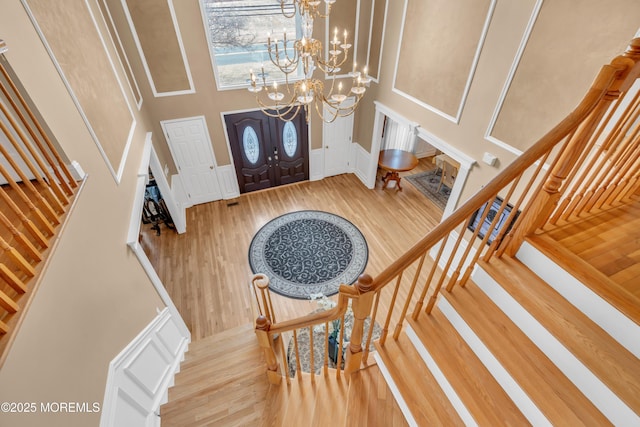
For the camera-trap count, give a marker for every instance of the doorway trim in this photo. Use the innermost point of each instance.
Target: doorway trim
(465, 161)
(230, 170)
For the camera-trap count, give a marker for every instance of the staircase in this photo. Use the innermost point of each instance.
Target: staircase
(508, 349)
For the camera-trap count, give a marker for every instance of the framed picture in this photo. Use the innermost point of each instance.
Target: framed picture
(493, 211)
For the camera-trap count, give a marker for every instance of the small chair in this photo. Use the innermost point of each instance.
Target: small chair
(448, 176)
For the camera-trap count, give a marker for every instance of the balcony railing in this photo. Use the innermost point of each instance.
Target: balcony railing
(36, 191)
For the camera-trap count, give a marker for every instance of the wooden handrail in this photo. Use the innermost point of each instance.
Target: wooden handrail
(600, 86)
(575, 136)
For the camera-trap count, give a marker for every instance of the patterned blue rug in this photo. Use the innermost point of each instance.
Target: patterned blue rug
(308, 252)
(428, 182)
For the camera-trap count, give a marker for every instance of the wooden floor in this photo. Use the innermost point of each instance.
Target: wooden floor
(608, 241)
(206, 270)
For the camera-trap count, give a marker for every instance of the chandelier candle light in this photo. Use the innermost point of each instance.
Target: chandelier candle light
(288, 55)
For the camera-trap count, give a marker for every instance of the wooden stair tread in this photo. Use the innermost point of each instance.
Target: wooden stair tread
(617, 367)
(302, 401)
(481, 394)
(616, 295)
(552, 392)
(422, 393)
(222, 381)
(370, 401)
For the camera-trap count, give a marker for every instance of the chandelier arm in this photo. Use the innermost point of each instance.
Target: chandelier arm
(295, 7)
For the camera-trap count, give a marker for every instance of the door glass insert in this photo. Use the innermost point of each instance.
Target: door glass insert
(289, 139)
(250, 144)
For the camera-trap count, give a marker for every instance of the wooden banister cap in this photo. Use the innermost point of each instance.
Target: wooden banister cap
(261, 280)
(262, 323)
(364, 283)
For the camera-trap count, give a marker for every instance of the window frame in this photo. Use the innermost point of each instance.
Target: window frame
(212, 54)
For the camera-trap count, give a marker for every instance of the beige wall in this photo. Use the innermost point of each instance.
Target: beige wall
(508, 25)
(94, 297)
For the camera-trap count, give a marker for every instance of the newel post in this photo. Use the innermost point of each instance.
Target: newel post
(361, 307)
(262, 332)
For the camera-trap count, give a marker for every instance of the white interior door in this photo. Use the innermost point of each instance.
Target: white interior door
(191, 148)
(336, 138)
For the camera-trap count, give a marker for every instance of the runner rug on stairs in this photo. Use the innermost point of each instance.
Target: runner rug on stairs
(308, 252)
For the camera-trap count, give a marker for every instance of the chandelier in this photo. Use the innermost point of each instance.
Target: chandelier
(299, 59)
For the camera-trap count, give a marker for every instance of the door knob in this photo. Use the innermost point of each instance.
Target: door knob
(211, 167)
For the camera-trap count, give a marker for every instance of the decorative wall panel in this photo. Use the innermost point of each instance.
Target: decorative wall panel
(70, 32)
(158, 39)
(439, 42)
(568, 45)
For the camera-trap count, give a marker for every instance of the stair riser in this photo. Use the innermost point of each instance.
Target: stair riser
(620, 327)
(596, 391)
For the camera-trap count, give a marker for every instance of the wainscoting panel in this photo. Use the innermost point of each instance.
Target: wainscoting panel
(316, 164)
(363, 163)
(228, 182)
(141, 374)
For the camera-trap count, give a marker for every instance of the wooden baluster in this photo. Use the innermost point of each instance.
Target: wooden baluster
(374, 314)
(361, 307)
(633, 184)
(59, 198)
(13, 280)
(312, 356)
(516, 207)
(52, 215)
(340, 345)
(443, 275)
(427, 284)
(392, 304)
(3, 328)
(285, 364)
(472, 240)
(297, 350)
(26, 181)
(398, 328)
(16, 257)
(628, 175)
(266, 343)
(580, 189)
(545, 202)
(326, 348)
(36, 122)
(29, 225)
(8, 304)
(21, 238)
(615, 163)
(620, 170)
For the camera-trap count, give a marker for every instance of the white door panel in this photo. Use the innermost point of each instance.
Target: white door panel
(191, 148)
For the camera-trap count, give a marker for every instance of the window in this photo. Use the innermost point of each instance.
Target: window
(237, 32)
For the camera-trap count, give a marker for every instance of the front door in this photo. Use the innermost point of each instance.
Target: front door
(191, 148)
(268, 152)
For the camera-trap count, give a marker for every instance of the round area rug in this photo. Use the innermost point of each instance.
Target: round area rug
(308, 252)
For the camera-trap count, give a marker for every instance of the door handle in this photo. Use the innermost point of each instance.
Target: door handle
(211, 167)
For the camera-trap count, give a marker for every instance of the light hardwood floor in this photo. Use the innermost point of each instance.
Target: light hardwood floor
(206, 270)
(609, 241)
